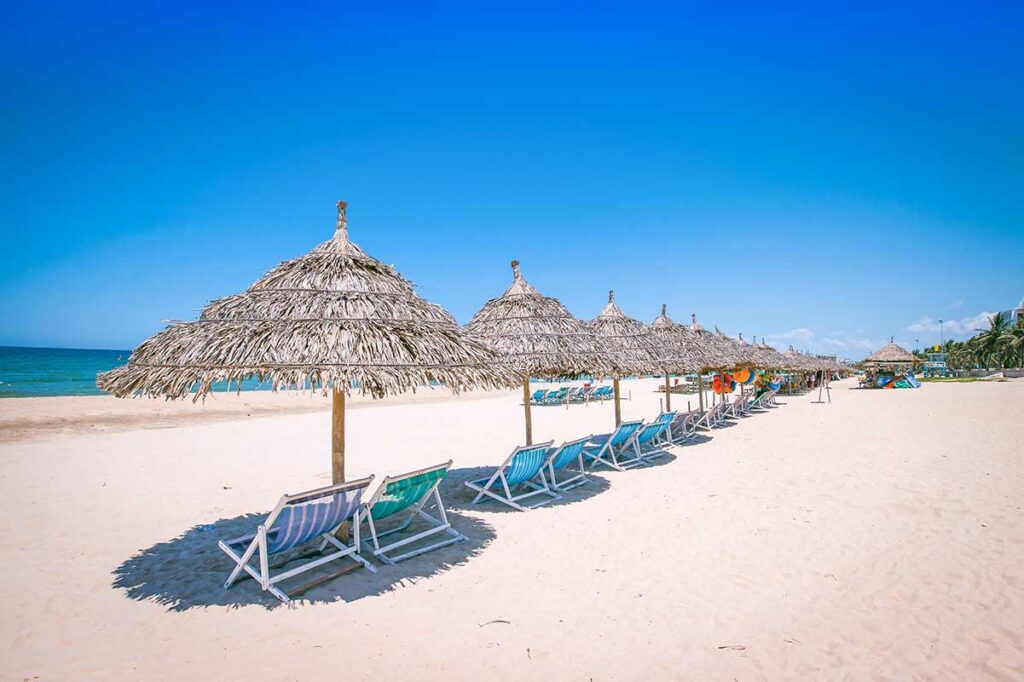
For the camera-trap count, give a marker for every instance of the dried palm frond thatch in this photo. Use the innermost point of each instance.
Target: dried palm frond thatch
(537, 336)
(627, 344)
(681, 351)
(718, 354)
(773, 359)
(891, 353)
(334, 320)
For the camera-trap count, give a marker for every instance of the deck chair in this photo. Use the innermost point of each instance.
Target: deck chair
(617, 450)
(555, 397)
(684, 426)
(650, 440)
(763, 401)
(410, 493)
(668, 418)
(295, 521)
(563, 457)
(709, 419)
(518, 470)
(538, 396)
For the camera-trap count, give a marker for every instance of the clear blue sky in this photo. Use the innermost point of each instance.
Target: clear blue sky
(827, 176)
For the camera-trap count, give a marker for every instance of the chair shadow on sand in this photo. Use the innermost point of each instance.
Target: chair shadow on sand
(189, 571)
(460, 497)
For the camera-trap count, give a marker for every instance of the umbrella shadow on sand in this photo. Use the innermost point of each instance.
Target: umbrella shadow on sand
(189, 571)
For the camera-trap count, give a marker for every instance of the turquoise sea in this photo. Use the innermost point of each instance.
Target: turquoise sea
(37, 372)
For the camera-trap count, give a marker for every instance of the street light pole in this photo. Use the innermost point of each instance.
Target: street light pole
(942, 341)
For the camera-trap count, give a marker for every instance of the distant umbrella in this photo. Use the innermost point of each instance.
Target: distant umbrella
(679, 350)
(537, 336)
(628, 346)
(333, 321)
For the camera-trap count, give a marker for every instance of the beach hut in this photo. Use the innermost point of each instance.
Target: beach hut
(890, 361)
(537, 336)
(333, 321)
(677, 349)
(627, 345)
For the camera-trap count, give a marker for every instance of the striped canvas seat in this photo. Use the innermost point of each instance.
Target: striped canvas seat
(411, 492)
(560, 459)
(295, 521)
(300, 522)
(518, 470)
(618, 450)
(651, 438)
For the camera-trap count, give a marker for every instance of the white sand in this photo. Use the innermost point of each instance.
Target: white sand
(879, 537)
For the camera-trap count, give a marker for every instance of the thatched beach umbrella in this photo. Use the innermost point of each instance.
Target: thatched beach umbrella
(333, 321)
(891, 354)
(627, 344)
(537, 336)
(678, 350)
(718, 353)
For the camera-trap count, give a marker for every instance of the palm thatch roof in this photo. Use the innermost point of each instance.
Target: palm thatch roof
(678, 349)
(627, 343)
(798, 362)
(719, 353)
(747, 355)
(773, 358)
(333, 319)
(891, 353)
(536, 334)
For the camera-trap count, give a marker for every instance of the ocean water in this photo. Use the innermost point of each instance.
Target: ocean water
(35, 372)
(38, 372)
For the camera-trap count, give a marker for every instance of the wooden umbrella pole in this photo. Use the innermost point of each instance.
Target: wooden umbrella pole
(338, 437)
(619, 409)
(668, 394)
(526, 407)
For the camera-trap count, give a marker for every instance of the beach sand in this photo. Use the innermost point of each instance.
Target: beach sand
(876, 537)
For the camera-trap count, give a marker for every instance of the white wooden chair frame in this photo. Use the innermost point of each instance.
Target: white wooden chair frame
(438, 525)
(686, 425)
(513, 500)
(609, 455)
(257, 543)
(573, 481)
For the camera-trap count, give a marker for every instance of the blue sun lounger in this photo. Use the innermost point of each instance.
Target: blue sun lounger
(409, 493)
(560, 459)
(517, 471)
(650, 440)
(617, 450)
(295, 521)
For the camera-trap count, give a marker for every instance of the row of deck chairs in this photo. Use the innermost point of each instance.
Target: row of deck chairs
(544, 470)
(318, 515)
(559, 396)
(529, 471)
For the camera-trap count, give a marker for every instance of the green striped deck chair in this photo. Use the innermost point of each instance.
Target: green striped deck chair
(295, 521)
(517, 472)
(408, 495)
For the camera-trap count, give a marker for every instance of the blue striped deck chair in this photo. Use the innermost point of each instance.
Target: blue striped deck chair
(556, 396)
(517, 471)
(650, 440)
(410, 493)
(296, 521)
(617, 450)
(668, 418)
(561, 459)
(538, 396)
(604, 392)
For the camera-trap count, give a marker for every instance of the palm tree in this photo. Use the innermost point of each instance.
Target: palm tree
(993, 344)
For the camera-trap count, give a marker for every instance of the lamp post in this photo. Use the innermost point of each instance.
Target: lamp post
(942, 341)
